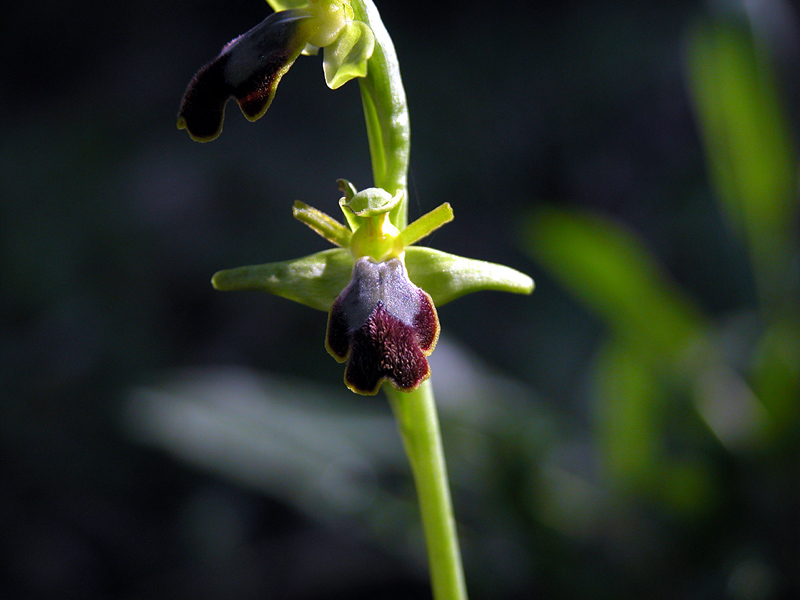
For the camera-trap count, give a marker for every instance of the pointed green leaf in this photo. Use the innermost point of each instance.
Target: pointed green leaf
(347, 56)
(447, 276)
(315, 280)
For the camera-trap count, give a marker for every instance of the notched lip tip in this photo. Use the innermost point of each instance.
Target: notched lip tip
(337, 357)
(355, 390)
(386, 380)
(201, 138)
(184, 124)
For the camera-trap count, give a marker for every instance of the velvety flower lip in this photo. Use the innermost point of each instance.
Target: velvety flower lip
(377, 287)
(384, 326)
(248, 68)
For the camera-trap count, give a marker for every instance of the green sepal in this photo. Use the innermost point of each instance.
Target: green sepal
(346, 58)
(314, 280)
(325, 225)
(447, 276)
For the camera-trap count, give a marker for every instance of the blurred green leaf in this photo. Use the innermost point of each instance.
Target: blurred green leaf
(612, 272)
(776, 373)
(628, 421)
(751, 159)
(632, 409)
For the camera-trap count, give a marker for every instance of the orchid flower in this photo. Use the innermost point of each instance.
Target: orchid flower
(379, 320)
(380, 290)
(250, 67)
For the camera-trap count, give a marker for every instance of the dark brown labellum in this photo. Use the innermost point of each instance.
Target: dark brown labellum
(384, 326)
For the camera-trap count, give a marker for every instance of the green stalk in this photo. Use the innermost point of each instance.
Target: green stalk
(419, 427)
(385, 112)
(388, 130)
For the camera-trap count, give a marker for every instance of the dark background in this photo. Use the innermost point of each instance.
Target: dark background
(159, 439)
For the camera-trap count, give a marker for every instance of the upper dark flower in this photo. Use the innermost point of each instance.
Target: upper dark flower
(250, 67)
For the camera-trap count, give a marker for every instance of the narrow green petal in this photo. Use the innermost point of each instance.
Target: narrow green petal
(323, 224)
(427, 224)
(447, 276)
(315, 280)
(349, 190)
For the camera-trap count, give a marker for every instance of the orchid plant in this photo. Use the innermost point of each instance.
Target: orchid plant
(379, 289)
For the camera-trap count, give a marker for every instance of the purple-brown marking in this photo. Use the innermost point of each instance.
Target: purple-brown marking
(249, 68)
(384, 326)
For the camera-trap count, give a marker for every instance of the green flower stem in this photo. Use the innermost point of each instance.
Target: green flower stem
(419, 428)
(386, 113)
